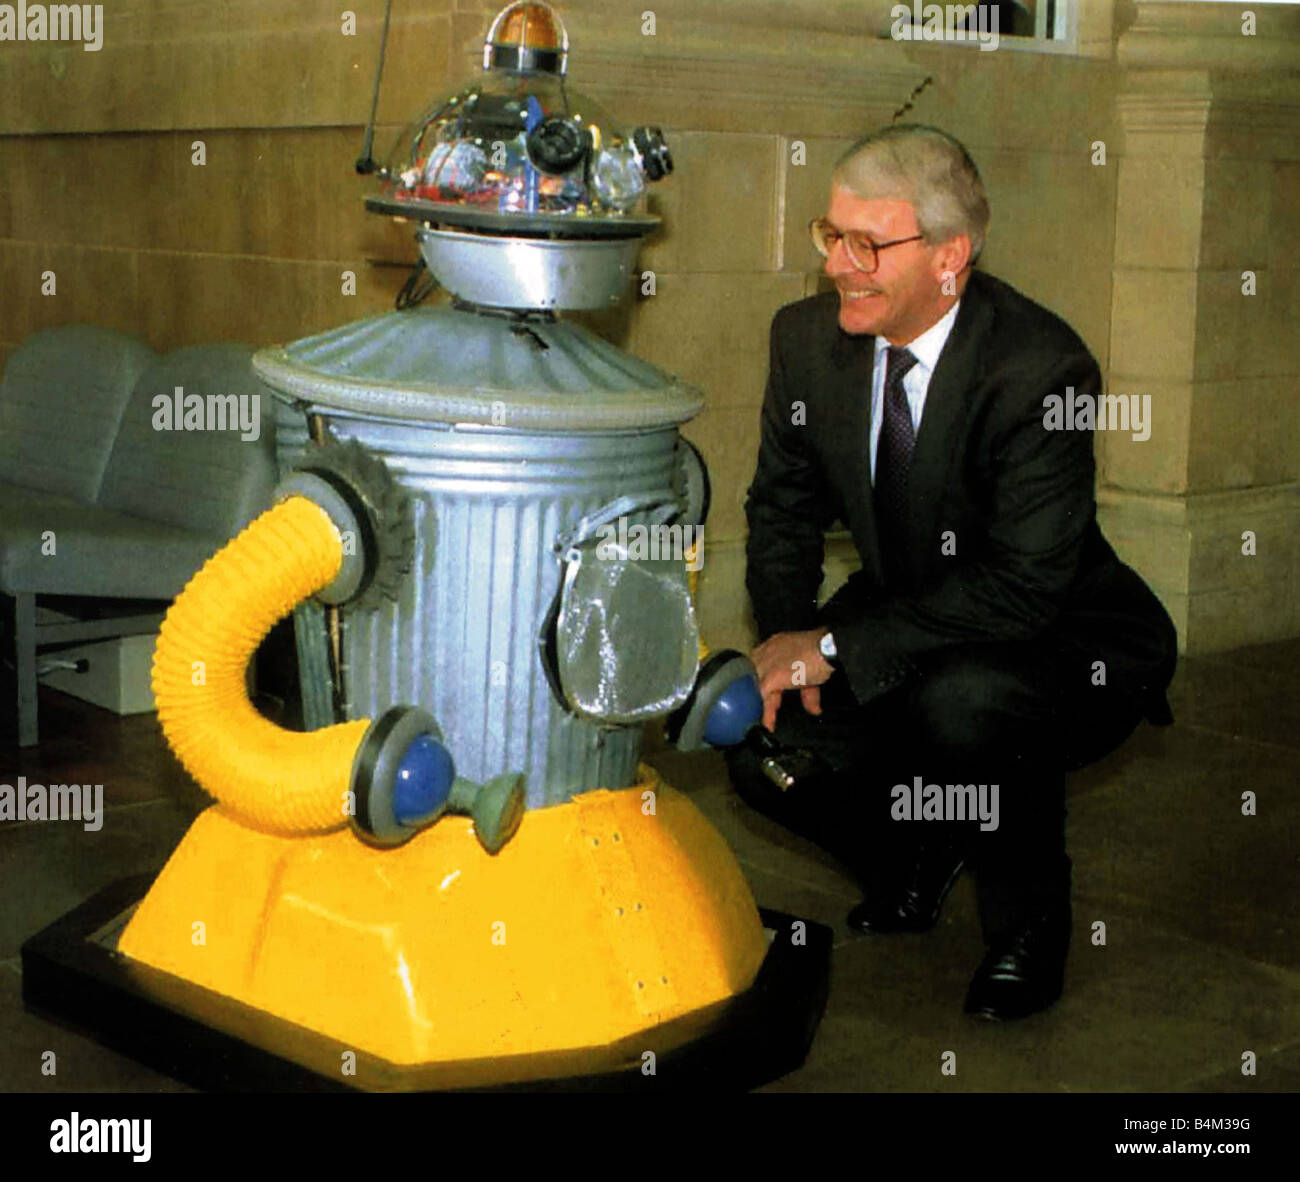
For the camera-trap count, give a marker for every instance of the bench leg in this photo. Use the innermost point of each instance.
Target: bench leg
(24, 633)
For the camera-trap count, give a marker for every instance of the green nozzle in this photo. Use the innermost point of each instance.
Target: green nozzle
(497, 807)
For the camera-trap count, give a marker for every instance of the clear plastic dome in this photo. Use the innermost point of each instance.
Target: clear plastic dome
(518, 143)
(517, 151)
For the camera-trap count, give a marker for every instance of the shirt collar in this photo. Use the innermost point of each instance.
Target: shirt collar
(927, 347)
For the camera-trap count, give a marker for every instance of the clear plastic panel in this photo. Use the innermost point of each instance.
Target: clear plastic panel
(627, 642)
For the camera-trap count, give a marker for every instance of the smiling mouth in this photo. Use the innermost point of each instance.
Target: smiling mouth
(857, 295)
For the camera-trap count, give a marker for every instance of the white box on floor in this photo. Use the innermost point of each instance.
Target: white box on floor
(117, 674)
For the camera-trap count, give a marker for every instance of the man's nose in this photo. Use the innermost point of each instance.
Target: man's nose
(838, 261)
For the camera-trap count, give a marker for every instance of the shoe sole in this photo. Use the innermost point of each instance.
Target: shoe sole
(987, 1015)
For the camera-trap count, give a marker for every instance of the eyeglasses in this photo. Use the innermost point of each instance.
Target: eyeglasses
(862, 251)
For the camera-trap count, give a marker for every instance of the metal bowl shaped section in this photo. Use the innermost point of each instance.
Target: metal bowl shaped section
(530, 273)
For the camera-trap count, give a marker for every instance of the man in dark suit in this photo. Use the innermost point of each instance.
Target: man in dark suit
(991, 640)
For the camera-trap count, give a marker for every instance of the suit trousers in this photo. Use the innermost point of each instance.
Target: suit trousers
(1017, 716)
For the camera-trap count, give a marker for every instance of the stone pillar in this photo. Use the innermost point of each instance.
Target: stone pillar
(1207, 213)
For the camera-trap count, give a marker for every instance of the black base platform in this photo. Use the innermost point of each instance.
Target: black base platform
(73, 975)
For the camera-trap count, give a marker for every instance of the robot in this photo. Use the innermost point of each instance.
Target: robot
(462, 875)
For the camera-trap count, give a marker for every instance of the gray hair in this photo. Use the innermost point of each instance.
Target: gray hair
(926, 167)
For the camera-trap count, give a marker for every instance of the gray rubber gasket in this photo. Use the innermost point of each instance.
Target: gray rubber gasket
(348, 582)
(374, 771)
(691, 736)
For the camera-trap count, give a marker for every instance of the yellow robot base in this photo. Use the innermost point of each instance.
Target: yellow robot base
(613, 927)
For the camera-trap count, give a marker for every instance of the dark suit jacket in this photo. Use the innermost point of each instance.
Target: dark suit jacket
(1030, 561)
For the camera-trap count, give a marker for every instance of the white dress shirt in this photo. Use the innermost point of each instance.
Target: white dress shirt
(916, 382)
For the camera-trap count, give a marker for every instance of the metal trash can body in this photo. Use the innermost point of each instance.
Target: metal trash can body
(504, 434)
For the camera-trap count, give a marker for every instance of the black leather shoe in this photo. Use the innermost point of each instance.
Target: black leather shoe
(913, 905)
(1024, 972)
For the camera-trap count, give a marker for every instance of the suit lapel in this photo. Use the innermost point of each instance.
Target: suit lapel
(946, 399)
(852, 359)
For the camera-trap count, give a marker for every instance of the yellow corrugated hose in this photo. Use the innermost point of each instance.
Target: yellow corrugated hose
(275, 780)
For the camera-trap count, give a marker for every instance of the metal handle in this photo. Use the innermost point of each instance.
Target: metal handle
(586, 527)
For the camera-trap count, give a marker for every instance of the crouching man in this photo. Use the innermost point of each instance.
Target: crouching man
(991, 638)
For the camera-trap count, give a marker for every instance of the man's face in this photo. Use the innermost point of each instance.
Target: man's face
(904, 295)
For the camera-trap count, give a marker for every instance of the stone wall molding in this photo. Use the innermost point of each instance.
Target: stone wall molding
(1191, 34)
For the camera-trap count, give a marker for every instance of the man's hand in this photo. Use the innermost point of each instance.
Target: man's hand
(790, 660)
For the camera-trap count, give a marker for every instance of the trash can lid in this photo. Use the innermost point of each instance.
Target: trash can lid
(453, 365)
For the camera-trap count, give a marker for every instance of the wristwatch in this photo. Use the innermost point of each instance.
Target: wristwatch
(828, 649)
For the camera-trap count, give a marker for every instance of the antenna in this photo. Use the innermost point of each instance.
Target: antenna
(366, 161)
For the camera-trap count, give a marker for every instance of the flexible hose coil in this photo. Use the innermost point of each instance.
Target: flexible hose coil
(270, 778)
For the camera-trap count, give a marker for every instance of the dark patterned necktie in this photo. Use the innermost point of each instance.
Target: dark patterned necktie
(894, 458)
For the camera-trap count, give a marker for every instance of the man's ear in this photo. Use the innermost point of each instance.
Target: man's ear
(953, 256)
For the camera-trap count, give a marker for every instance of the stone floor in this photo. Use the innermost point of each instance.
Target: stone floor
(1201, 961)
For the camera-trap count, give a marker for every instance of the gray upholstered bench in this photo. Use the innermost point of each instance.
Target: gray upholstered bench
(100, 508)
